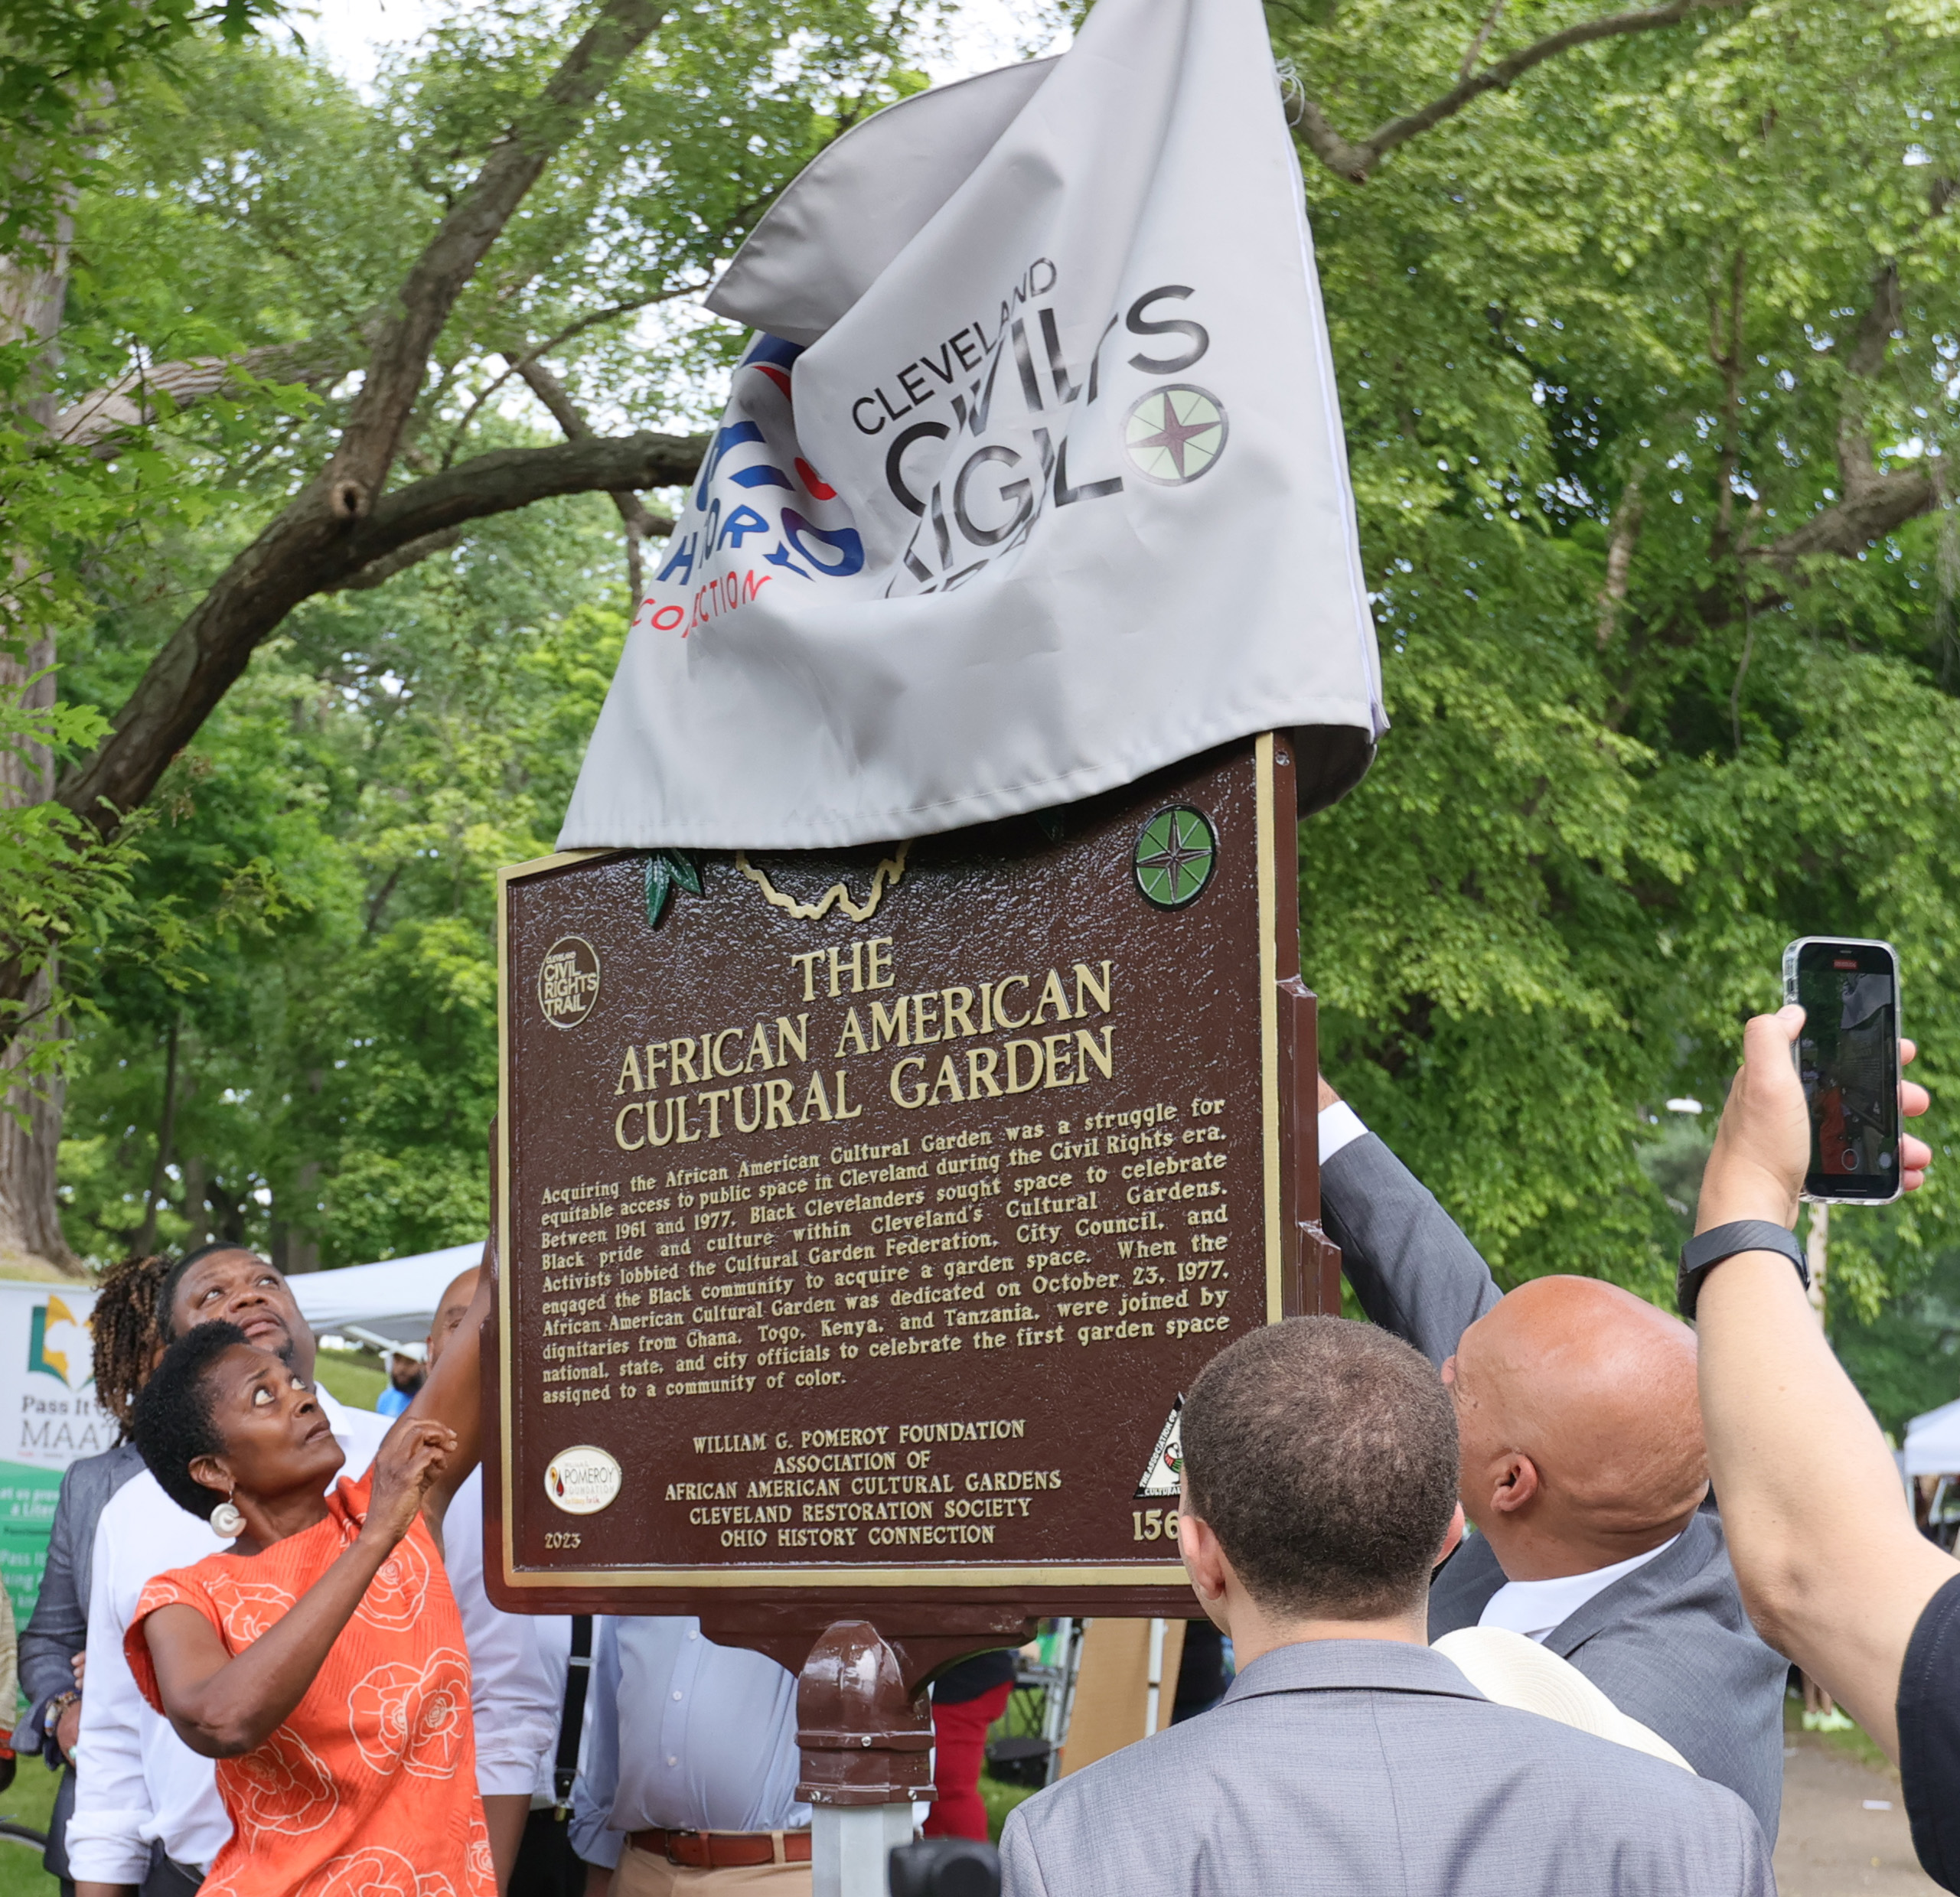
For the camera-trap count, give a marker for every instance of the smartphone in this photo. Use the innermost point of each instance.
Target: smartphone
(1847, 1056)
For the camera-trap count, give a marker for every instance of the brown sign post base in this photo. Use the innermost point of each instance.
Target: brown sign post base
(866, 1740)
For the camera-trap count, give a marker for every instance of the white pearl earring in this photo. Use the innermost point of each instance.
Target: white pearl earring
(227, 1519)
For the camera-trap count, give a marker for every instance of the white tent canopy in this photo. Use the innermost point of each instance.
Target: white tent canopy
(389, 1303)
(1932, 1442)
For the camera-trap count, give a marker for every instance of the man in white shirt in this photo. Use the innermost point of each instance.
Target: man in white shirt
(1584, 1467)
(517, 1661)
(690, 1777)
(147, 1811)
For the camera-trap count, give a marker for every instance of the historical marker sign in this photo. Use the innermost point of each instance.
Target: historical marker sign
(863, 1218)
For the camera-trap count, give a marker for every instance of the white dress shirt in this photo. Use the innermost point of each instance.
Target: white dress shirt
(1340, 1126)
(684, 1736)
(136, 1781)
(518, 1664)
(1534, 1607)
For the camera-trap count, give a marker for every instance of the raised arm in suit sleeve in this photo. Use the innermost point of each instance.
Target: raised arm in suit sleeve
(1414, 1272)
(56, 1630)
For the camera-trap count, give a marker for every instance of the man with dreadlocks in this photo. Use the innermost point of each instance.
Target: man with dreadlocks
(148, 1816)
(123, 1326)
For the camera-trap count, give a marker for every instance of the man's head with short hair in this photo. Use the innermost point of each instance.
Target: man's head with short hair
(1322, 1455)
(227, 1282)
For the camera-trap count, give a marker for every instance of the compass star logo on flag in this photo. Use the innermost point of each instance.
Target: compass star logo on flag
(1175, 433)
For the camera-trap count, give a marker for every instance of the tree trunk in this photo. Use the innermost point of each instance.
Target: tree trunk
(30, 1208)
(32, 291)
(146, 1239)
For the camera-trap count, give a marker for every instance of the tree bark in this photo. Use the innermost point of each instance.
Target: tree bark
(32, 292)
(146, 1239)
(30, 1198)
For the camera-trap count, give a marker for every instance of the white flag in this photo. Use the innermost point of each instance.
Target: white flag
(1033, 481)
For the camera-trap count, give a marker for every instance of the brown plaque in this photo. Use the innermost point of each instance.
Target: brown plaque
(864, 1216)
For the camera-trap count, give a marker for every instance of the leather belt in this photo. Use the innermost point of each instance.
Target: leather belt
(723, 1851)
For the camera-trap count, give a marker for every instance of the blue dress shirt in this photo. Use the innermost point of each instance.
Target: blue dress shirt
(685, 1736)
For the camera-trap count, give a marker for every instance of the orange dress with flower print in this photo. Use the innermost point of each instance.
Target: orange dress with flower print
(369, 1788)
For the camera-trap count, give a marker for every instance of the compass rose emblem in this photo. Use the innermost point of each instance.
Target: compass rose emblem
(1174, 433)
(1176, 851)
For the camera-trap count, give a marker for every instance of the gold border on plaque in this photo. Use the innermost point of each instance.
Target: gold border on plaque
(816, 1574)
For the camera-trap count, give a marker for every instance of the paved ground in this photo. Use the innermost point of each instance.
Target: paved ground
(1831, 1843)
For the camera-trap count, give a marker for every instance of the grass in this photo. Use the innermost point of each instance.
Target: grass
(999, 1799)
(1855, 1743)
(350, 1376)
(29, 1800)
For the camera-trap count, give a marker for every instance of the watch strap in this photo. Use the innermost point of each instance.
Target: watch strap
(1703, 1252)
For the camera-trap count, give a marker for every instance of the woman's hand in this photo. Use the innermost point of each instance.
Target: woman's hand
(413, 1454)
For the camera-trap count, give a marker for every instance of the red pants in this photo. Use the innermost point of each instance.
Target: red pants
(959, 1738)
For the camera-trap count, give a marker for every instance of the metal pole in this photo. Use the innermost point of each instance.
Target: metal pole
(867, 1755)
(851, 1847)
(1072, 1666)
(1154, 1697)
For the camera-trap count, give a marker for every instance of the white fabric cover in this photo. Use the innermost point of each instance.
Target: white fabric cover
(1055, 495)
(393, 1300)
(1932, 1442)
(1510, 1670)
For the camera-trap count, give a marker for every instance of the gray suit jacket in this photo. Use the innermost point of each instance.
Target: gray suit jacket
(1340, 1769)
(58, 1628)
(1668, 1643)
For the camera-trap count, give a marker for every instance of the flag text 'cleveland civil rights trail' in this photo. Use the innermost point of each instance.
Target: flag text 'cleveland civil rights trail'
(1031, 481)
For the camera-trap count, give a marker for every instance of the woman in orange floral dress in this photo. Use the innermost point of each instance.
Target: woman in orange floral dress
(320, 1660)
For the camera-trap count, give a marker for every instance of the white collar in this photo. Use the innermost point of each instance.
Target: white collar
(1535, 1607)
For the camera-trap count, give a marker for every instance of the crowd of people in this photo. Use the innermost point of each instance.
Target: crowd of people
(264, 1661)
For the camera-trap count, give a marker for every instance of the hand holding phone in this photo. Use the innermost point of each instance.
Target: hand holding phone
(1847, 1058)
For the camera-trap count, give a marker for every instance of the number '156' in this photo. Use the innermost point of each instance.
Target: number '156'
(1154, 1524)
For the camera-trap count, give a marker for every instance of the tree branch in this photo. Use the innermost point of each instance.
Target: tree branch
(1474, 51)
(104, 418)
(590, 320)
(1625, 536)
(385, 569)
(209, 650)
(1354, 159)
(1725, 352)
(344, 519)
(639, 524)
(367, 446)
(1875, 502)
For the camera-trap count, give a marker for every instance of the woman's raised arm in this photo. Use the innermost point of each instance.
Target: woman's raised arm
(453, 1397)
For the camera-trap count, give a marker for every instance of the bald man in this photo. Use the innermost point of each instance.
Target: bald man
(1583, 1469)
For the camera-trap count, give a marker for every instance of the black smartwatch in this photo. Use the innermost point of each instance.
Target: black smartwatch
(1701, 1254)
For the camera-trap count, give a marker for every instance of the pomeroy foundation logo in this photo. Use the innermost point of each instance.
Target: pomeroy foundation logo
(568, 981)
(582, 1481)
